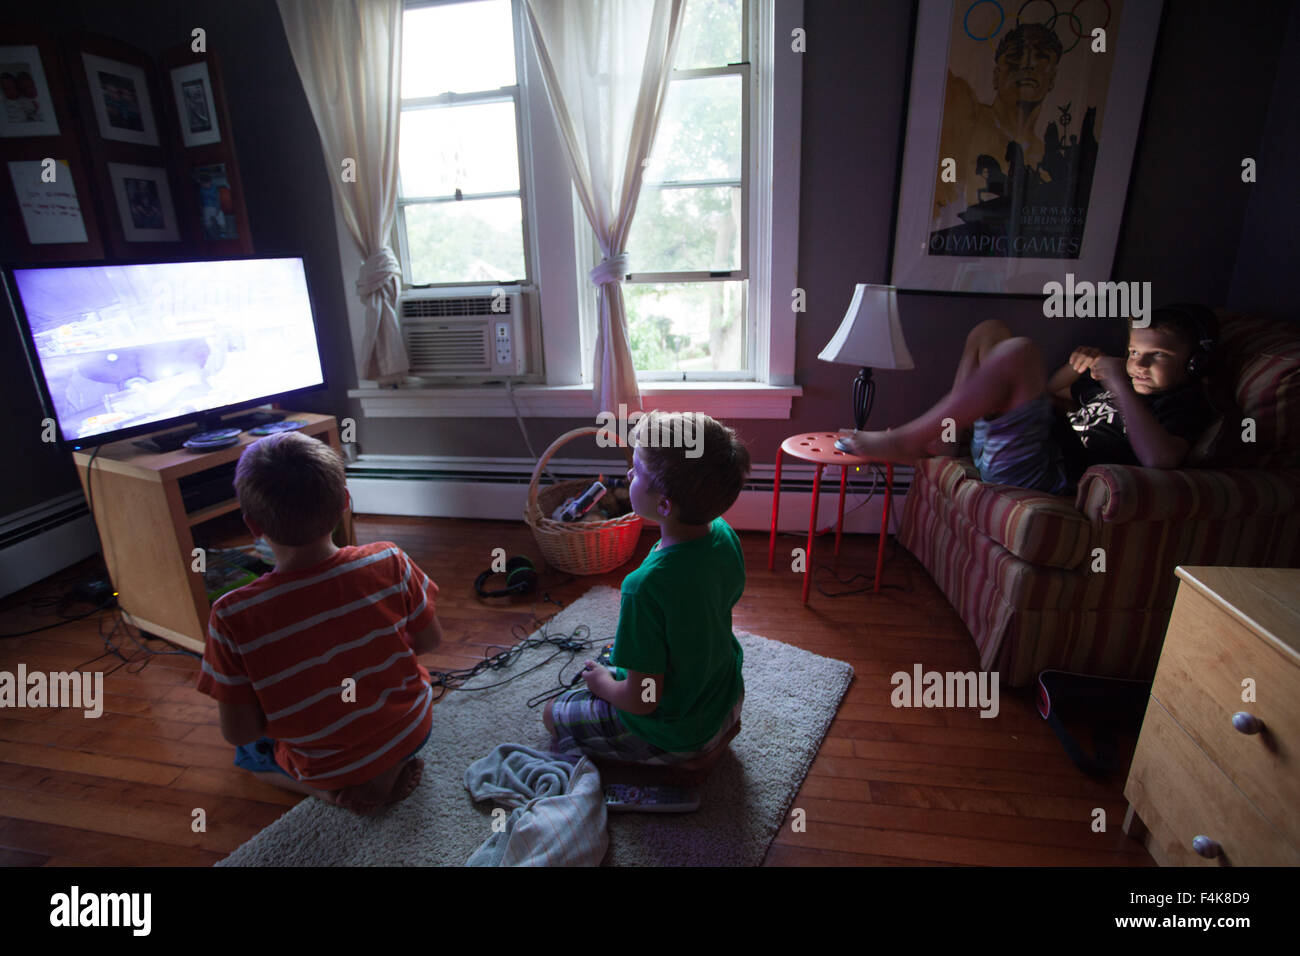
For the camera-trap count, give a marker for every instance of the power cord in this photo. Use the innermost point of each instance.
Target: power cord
(578, 640)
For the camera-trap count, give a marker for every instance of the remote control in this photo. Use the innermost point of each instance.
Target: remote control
(624, 796)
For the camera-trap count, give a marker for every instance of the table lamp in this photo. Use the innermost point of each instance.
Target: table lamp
(870, 337)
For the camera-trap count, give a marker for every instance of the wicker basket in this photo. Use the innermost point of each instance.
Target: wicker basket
(579, 547)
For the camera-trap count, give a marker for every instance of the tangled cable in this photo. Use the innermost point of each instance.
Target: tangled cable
(578, 640)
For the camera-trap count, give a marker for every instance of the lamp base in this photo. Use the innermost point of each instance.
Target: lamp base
(864, 396)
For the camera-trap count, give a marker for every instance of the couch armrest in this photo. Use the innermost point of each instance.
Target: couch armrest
(1121, 493)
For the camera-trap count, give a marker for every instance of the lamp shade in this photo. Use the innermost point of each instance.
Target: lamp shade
(870, 335)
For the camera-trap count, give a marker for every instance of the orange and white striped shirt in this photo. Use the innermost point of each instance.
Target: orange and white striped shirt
(288, 642)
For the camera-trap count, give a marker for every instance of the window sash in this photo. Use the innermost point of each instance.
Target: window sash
(479, 97)
(749, 372)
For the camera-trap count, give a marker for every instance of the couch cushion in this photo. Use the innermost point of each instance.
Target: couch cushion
(1036, 527)
(1262, 359)
(946, 473)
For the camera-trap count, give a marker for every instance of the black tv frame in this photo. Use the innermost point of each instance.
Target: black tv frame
(178, 422)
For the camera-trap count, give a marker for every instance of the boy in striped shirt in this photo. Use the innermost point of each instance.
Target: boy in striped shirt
(313, 666)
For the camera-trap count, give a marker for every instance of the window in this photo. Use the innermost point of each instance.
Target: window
(460, 209)
(689, 242)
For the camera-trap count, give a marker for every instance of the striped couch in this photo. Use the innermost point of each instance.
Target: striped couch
(1087, 584)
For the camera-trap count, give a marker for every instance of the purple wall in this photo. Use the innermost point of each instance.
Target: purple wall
(1215, 74)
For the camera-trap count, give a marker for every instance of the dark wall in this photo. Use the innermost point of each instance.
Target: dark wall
(285, 187)
(1264, 278)
(1182, 227)
(1215, 73)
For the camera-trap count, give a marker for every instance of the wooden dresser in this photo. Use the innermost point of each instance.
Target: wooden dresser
(1216, 779)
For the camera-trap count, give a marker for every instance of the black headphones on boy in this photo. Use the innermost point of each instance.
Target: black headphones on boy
(1206, 326)
(521, 578)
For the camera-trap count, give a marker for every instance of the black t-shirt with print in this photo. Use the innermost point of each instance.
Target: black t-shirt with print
(1096, 433)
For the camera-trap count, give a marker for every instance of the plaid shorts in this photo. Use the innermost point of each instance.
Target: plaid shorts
(585, 724)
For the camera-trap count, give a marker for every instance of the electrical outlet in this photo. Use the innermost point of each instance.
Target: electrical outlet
(504, 349)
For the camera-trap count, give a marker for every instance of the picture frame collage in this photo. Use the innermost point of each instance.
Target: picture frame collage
(146, 172)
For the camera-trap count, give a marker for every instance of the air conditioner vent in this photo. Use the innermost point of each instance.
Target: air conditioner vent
(461, 306)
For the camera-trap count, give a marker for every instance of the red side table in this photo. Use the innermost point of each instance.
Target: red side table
(819, 448)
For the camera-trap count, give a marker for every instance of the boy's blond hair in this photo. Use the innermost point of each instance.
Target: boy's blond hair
(702, 484)
(293, 486)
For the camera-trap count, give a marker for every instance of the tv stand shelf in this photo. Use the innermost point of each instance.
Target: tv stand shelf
(146, 534)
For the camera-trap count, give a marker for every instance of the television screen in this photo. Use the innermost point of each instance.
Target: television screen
(126, 346)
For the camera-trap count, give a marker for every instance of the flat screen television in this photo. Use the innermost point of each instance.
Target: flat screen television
(121, 349)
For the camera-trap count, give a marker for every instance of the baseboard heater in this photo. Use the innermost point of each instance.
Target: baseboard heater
(43, 540)
(497, 489)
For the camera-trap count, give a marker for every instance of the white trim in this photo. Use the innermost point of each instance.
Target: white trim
(784, 124)
(436, 490)
(45, 552)
(724, 400)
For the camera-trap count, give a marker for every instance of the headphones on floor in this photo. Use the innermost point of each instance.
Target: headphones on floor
(521, 578)
(1207, 329)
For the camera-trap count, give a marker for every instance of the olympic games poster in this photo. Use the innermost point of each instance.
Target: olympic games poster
(1026, 113)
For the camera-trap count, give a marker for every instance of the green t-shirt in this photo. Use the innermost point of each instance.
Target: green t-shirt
(675, 620)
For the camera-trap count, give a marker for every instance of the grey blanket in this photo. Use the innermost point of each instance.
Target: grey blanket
(558, 815)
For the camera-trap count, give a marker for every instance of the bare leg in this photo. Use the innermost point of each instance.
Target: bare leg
(1011, 373)
(979, 343)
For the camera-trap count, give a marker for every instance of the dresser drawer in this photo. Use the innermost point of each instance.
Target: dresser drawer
(1180, 794)
(1207, 654)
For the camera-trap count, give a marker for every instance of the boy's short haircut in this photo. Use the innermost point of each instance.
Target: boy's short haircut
(695, 461)
(293, 486)
(1192, 324)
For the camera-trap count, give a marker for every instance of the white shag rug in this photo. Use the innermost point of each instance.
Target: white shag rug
(790, 699)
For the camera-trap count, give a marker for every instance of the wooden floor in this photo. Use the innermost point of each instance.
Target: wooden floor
(890, 786)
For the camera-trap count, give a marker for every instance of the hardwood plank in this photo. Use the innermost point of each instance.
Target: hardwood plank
(890, 786)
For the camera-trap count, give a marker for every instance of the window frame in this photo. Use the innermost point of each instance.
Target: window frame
(512, 94)
(741, 69)
(567, 299)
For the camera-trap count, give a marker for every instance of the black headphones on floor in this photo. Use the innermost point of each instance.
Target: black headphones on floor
(521, 578)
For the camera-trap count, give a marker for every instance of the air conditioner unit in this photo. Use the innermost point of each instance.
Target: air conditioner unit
(467, 336)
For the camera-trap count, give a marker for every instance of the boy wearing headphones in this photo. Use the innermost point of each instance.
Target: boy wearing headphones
(1146, 409)
(675, 693)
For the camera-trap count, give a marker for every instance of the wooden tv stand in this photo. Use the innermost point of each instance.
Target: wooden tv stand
(146, 533)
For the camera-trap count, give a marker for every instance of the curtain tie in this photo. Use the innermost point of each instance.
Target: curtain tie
(378, 271)
(611, 269)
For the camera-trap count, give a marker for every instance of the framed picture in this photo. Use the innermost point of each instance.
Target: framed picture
(47, 200)
(28, 109)
(1021, 128)
(144, 203)
(119, 95)
(217, 210)
(195, 106)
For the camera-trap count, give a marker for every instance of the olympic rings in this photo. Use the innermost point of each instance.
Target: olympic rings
(1051, 19)
(1079, 3)
(1051, 25)
(965, 21)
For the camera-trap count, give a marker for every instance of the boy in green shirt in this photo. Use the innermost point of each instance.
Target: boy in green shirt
(676, 690)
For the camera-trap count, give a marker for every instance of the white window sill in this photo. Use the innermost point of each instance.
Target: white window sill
(719, 399)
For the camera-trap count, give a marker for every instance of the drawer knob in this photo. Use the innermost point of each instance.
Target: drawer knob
(1206, 847)
(1247, 723)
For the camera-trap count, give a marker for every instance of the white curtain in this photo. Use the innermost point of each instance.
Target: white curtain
(349, 56)
(607, 64)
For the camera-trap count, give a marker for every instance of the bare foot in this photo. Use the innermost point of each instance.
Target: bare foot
(886, 446)
(408, 778)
